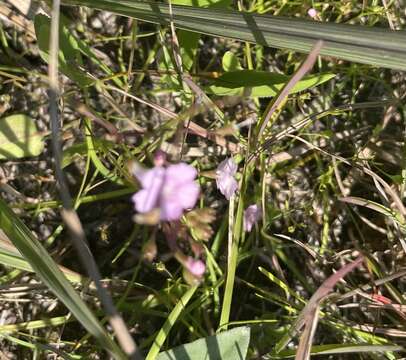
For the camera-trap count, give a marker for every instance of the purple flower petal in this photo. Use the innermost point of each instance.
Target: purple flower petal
(225, 180)
(170, 210)
(170, 189)
(145, 201)
(252, 214)
(148, 178)
(187, 195)
(173, 198)
(227, 185)
(195, 267)
(312, 12)
(180, 173)
(227, 166)
(151, 180)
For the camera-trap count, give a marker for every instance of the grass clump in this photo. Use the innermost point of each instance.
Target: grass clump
(206, 187)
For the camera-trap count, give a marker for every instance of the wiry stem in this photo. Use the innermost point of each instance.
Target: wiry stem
(68, 213)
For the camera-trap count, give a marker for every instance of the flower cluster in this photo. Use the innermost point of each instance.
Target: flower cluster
(167, 191)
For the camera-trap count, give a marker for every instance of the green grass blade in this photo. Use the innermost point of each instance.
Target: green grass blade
(48, 271)
(170, 321)
(373, 46)
(35, 324)
(329, 349)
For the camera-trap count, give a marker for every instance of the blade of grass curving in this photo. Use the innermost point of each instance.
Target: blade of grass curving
(16, 261)
(373, 46)
(354, 200)
(170, 321)
(39, 347)
(234, 238)
(48, 271)
(285, 91)
(308, 314)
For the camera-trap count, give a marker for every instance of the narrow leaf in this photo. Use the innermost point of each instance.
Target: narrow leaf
(306, 316)
(374, 46)
(69, 55)
(260, 83)
(47, 270)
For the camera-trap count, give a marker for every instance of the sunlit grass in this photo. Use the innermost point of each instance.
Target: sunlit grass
(326, 166)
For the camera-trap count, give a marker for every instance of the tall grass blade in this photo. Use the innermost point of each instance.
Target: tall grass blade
(308, 316)
(48, 271)
(170, 321)
(373, 46)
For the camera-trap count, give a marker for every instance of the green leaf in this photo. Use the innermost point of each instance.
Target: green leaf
(227, 345)
(47, 270)
(170, 321)
(374, 46)
(230, 62)
(69, 54)
(73, 152)
(19, 137)
(188, 41)
(260, 83)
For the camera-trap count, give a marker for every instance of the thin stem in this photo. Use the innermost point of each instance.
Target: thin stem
(68, 213)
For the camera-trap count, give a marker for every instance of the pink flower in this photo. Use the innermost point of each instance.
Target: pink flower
(252, 214)
(312, 13)
(225, 180)
(195, 267)
(170, 189)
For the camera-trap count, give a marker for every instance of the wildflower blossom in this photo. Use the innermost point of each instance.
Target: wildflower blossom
(312, 13)
(195, 267)
(226, 182)
(170, 189)
(252, 214)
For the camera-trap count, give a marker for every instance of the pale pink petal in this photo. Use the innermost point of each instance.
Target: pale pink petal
(170, 210)
(227, 185)
(252, 214)
(227, 166)
(180, 173)
(145, 200)
(187, 195)
(151, 180)
(312, 12)
(148, 178)
(195, 267)
(170, 189)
